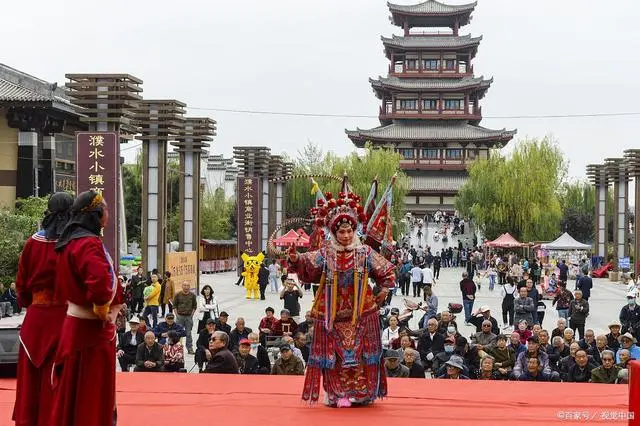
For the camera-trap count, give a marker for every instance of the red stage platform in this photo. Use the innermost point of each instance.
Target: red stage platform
(198, 399)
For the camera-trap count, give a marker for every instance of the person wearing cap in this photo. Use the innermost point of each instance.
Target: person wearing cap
(128, 345)
(35, 288)
(484, 314)
(630, 315)
(85, 391)
(578, 312)
(247, 363)
(220, 360)
(202, 344)
(221, 323)
(612, 337)
(628, 342)
(392, 365)
(287, 364)
(533, 351)
(169, 324)
(452, 346)
(454, 369)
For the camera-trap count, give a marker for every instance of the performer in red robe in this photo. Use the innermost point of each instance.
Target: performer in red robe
(346, 347)
(40, 330)
(84, 371)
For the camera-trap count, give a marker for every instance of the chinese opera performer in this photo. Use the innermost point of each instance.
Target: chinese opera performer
(346, 347)
(84, 370)
(41, 328)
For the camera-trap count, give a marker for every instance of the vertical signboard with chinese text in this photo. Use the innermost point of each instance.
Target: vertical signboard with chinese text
(249, 223)
(97, 169)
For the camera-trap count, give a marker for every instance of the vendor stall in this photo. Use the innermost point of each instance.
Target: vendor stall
(217, 256)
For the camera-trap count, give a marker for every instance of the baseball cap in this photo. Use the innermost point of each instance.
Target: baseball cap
(134, 320)
(245, 342)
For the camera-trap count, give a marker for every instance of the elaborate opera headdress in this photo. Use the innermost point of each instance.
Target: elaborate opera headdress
(334, 212)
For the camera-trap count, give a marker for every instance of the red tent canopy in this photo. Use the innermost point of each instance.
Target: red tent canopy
(291, 238)
(505, 241)
(303, 235)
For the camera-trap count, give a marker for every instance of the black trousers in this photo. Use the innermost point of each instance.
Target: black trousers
(126, 361)
(436, 272)
(417, 285)
(578, 329)
(137, 305)
(164, 305)
(404, 286)
(507, 311)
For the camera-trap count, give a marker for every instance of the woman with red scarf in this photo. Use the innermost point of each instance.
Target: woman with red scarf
(40, 330)
(84, 370)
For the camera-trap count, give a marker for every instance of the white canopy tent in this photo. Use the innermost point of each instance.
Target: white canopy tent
(565, 242)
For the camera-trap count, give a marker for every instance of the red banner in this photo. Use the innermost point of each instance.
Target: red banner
(249, 213)
(98, 169)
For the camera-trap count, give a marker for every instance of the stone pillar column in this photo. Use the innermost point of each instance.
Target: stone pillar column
(617, 172)
(48, 182)
(598, 177)
(27, 172)
(633, 161)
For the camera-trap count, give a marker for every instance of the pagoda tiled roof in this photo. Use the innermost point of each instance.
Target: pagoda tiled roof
(19, 87)
(415, 130)
(437, 183)
(432, 7)
(425, 84)
(426, 42)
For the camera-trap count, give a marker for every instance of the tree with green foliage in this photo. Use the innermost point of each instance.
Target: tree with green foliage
(216, 212)
(361, 169)
(517, 193)
(578, 210)
(16, 225)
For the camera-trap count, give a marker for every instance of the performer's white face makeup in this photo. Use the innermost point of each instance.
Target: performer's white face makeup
(344, 235)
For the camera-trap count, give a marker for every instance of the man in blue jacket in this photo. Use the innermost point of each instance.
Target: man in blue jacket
(162, 329)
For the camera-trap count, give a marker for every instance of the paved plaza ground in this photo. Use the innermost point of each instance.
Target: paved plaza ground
(607, 299)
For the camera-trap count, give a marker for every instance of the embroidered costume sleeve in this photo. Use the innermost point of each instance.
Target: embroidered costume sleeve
(309, 266)
(381, 270)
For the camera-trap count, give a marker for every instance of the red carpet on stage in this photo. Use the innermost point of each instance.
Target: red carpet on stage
(234, 400)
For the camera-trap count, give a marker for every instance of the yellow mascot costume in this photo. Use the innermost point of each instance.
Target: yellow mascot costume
(250, 274)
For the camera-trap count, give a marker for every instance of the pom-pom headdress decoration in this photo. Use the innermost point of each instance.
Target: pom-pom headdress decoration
(335, 212)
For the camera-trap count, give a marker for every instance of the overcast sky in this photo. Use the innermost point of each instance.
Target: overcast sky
(548, 57)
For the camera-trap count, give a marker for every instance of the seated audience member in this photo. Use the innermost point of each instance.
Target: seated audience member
(623, 377)
(504, 357)
(169, 324)
(292, 344)
(307, 324)
(484, 314)
(557, 353)
(430, 343)
(533, 372)
(247, 363)
(580, 372)
(258, 351)
(142, 328)
(589, 341)
(390, 333)
(221, 323)
(623, 356)
(285, 326)
(452, 347)
(302, 345)
(614, 334)
(524, 332)
(487, 370)
(533, 351)
(484, 340)
(446, 321)
(173, 353)
(392, 365)
(567, 362)
(559, 330)
(220, 360)
(128, 345)
(266, 325)
(202, 344)
(238, 333)
(287, 364)
(543, 337)
(411, 359)
(628, 342)
(596, 351)
(406, 342)
(608, 371)
(149, 356)
(454, 368)
(567, 335)
(514, 343)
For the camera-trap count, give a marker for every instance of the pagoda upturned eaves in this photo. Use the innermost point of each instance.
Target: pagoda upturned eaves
(430, 103)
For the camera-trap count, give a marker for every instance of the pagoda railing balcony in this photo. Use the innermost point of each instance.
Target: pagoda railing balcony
(403, 71)
(435, 164)
(473, 114)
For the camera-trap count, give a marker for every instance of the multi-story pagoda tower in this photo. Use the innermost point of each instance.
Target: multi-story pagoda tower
(430, 107)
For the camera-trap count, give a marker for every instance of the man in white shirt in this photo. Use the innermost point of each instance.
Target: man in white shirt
(274, 272)
(427, 277)
(416, 280)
